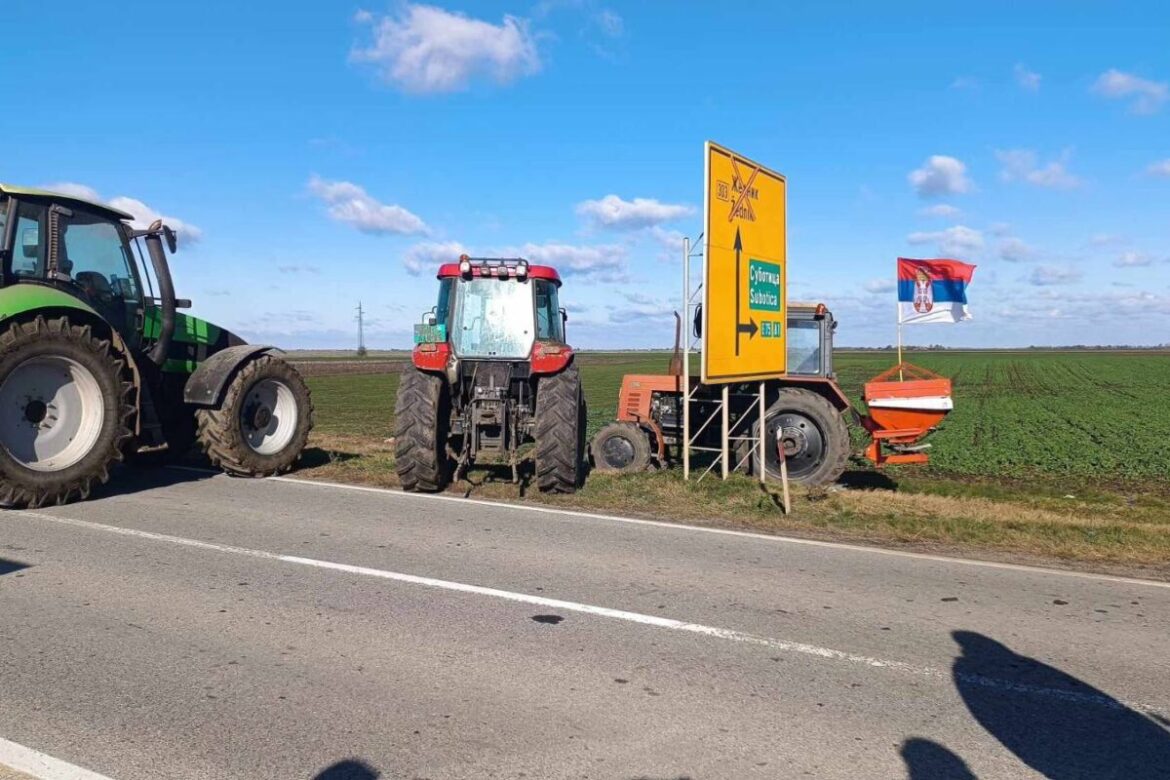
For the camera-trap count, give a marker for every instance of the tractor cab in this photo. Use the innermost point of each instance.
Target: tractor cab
(495, 309)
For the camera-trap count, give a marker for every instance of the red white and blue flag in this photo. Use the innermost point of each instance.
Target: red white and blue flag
(933, 291)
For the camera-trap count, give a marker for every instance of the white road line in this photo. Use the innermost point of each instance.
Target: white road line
(41, 766)
(1024, 568)
(778, 645)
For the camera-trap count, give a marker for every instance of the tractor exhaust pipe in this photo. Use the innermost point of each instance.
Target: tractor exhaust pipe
(166, 286)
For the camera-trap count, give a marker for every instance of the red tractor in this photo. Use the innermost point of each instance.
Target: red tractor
(491, 371)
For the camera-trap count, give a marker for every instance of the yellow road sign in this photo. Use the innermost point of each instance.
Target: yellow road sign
(745, 284)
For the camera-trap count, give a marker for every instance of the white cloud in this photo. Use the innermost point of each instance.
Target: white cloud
(1027, 79)
(1133, 260)
(74, 190)
(352, 205)
(610, 23)
(298, 269)
(429, 255)
(143, 215)
(603, 262)
(956, 240)
(1160, 168)
(879, 286)
(1148, 96)
(425, 49)
(944, 210)
(1013, 250)
(1023, 165)
(641, 307)
(1107, 239)
(940, 175)
(1050, 275)
(613, 212)
(965, 82)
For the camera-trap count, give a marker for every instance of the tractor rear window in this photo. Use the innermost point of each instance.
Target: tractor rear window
(493, 319)
(804, 346)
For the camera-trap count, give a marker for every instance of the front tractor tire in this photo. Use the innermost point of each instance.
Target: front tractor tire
(262, 426)
(560, 432)
(422, 419)
(813, 433)
(65, 409)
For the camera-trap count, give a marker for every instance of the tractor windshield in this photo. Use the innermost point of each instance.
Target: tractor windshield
(492, 318)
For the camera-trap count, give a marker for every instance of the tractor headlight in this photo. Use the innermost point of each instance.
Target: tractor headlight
(465, 266)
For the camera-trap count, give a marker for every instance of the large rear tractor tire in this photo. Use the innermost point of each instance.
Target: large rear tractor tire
(263, 424)
(814, 435)
(560, 432)
(621, 448)
(65, 408)
(422, 420)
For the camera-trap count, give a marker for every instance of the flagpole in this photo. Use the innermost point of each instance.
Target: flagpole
(898, 304)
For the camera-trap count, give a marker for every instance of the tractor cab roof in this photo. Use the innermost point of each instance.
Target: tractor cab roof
(60, 197)
(497, 267)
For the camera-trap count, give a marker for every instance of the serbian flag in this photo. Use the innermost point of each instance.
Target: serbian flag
(933, 291)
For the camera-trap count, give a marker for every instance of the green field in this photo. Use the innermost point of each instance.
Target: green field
(1023, 416)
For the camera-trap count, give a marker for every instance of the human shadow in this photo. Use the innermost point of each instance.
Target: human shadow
(349, 769)
(1058, 725)
(7, 566)
(927, 760)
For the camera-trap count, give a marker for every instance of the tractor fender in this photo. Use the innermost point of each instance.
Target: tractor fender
(205, 387)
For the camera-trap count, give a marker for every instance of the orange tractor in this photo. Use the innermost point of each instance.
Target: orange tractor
(805, 419)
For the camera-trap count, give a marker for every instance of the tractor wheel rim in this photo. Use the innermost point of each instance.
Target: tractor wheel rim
(803, 442)
(268, 417)
(618, 451)
(51, 413)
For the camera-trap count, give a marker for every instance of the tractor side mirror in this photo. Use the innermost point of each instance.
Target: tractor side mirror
(182, 303)
(430, 318)
(698, 323)
(564, 315)
(172, 239)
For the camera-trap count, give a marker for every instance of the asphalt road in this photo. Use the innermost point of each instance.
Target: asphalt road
(186, 626)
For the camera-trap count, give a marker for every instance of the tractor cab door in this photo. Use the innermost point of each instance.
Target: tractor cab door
(92, 259)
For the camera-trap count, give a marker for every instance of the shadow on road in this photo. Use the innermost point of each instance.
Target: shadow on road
(1058, 725)
(926, 760)
(350, 769)
(7, 566)
(137, 477)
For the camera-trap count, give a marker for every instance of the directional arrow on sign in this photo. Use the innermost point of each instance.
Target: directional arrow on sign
(748, 327)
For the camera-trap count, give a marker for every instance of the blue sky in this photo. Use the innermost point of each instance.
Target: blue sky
(315, 154)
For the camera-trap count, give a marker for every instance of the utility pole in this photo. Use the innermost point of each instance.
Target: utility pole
(361, 331)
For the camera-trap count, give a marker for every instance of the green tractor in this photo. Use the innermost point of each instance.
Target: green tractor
(97, 365)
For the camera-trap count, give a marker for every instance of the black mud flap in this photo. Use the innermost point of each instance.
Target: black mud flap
(205, 387)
